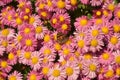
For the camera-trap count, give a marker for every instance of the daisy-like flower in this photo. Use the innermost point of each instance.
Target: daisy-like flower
(107, 14)
(34, 20)
(27, 30)
(15, 76)
(71, 4)
(82, 23)
(4, 66)
(49, 5)
(12, 58)
(95, 44)
(116, 25)
(114, 42)
(25, 57)
(116, 57)
(117, 12)
(29, 43)
(106, 58)
(56, 73)
(72, 71)
(96, 2)
(36, 60)
(33, 75)
(82, 44)
(90, 68)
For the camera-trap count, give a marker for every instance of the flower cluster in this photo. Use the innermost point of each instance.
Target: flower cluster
(59, 39)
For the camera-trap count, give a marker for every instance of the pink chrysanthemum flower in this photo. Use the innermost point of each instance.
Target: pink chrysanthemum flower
(12, 58)
(15, 76)
(4, 66)
(82, 44)
(40, 32)
(29, 43)
(106, 58)
(90, 68)
(36, 60)
(48, 50)
(34, 20)
(107, 14)
(82, 23)
(117, 72)
(116, 25)
(95, 31)
(114, 42)
(72, 71)
(95, 44)
(117, 12)
(84, 1)
(27, 30)
(71, 4)
(57, 73)
(116, 57)
(25, 57)
(96, 2)
(34, 76)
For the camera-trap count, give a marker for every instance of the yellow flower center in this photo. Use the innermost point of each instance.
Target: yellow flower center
(81, 43)
(21, 4)
(9, 17)
(45, 70)
(105, 12)
(38, 29)
(60, 4)
(10, 56)
(83, 22)
(118, 71)
(66, 51)
(4, 43)
(19, 21)
(99, 21)
(57, 46)
(45, 60)
(61, 18)
(54, 21)
(77, 54)
(27, 55)
(98, 13)
(117, 59)
(105, 30)
(49, 3)
(41, 6)
(31, 20)
(4, 64)
(64, 26)
(63, 62)
(56, 73)
(27, 30)
(5, 32)
(25, 17)
(46, 38)
(73, 2)
(94, 43)
(105, 56)
(47, 51)
(111, 7)
(27, 10)
(71, 58)
(109, 73)
(28, 42)
(44, 14)
(69, 71)
(80, 66)
(95, 33)
(33, 77)
(116, 28)
(118, 14)
(35, 60)
(19, 38)
(92, 67)
(12, 77)
(88, 56)
(114, 40)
